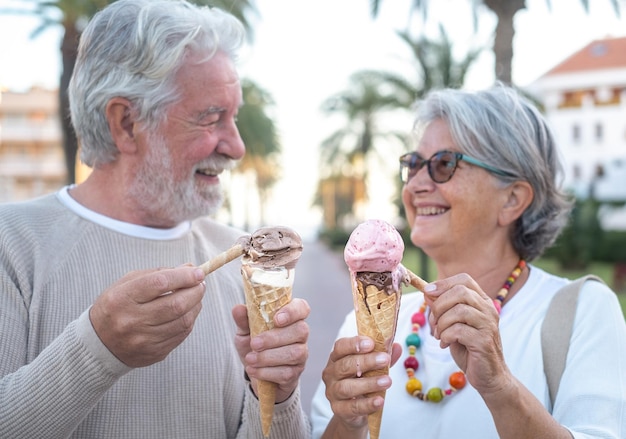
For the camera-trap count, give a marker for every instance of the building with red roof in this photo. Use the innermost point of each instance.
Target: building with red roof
(585, 102)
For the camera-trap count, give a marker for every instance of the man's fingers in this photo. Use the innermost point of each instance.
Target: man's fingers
(145, 286)
(296, 333)
(146, 314)
(173, 306)
(240, 315)
(297, 309)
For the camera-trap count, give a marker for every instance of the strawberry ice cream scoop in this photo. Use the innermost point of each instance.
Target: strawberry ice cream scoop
(375, 246)
(373, 254)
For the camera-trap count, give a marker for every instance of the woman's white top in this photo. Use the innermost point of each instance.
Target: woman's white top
(591, 401)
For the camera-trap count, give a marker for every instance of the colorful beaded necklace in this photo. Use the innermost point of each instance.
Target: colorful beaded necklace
(457, 379)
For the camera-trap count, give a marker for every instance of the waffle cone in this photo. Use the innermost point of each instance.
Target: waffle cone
(376, 317)
(263, 301)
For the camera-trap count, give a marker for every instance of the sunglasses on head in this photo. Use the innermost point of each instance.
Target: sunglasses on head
(441, 165)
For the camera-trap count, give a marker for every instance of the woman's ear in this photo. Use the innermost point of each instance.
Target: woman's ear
(520, 195)
(121, 124)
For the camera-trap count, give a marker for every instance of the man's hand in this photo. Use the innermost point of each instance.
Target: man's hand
(278, 355)
(145, 315)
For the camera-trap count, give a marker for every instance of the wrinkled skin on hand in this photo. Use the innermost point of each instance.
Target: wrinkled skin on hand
(346, 388)
(146, 314)
(279, 354)
(463, 317)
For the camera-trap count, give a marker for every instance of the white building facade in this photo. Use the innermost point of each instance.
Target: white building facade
(585, 103)
(31, 153)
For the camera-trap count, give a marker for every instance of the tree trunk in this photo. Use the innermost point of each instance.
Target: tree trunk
(69, 49)
(505, 10)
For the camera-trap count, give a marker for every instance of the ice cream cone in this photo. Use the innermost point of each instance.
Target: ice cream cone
(377, 308)
(266, 292)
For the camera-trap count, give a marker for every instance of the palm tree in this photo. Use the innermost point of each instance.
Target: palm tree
(435, 65)
(258, 131)
(505, 11)
(372, 93)
(345, 152)
(72, 16)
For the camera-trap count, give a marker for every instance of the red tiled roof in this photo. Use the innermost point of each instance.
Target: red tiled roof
(609, 53)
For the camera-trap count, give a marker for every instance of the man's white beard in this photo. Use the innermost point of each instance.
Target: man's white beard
(166, 201)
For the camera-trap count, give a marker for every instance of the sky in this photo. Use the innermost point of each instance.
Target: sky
(303, 52)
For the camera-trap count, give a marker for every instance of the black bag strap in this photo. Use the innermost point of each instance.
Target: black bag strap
(556, 331)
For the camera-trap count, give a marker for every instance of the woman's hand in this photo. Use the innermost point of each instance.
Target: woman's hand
(464, 318)
(347, 383)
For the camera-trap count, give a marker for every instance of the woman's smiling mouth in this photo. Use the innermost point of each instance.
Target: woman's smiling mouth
(431, 210)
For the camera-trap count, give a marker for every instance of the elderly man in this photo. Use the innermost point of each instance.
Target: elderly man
(107, 328)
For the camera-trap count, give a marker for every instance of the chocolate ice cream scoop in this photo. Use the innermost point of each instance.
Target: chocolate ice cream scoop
(272, 247)
(267, 248)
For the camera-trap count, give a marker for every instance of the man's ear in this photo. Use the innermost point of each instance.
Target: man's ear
(121, 124)
(520, 195)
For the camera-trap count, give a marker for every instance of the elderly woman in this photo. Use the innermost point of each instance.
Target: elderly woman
(482, 201)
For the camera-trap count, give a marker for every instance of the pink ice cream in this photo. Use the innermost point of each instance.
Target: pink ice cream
(376, 246)
(373, 254)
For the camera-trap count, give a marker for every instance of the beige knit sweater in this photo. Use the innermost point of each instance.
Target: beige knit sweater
(58, 380)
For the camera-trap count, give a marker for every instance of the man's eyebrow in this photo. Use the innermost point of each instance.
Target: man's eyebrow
(210, 111)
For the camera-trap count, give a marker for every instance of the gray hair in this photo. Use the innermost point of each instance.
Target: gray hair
(133, 49)
(501, 128)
